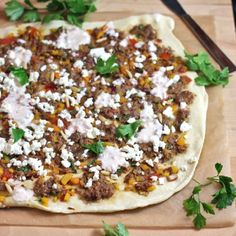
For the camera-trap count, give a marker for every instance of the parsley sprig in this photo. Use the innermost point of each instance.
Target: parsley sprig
(17, 134)
(72, 11)
(207, 73)
(20, 74)
(223, 198)
(107, 67)
(96, 148)
(128, 131)
(118, 230)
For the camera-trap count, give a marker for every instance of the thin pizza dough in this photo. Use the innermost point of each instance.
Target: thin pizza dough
(123, 198)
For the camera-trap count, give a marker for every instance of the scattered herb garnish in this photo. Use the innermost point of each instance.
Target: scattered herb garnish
(207, 73)
(127, 131)
(221, 199)
(72, 11)
(25, 169)
(118, 230)
(106, 67)
(20, 74)
(17, 134)
(97, 147)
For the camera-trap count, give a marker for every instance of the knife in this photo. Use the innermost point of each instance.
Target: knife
(204, 39)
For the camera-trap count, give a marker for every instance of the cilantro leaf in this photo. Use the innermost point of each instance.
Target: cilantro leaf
(106, 67)
(97, 147)
(55, 5)
(31, 16)
(20, 74)
(199, 221)
(218, 167)
(197, 189)
(191, 206)
(127, 131)
(52, 16)
(17, 134)
(74, 20)
(76, 6)
(14, 10)
(207, 73)
(208, 208)
(119, 230)
(29, 3)
(25, 169)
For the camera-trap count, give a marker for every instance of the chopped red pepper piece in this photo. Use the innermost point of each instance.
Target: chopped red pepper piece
(7, 41)
(165, 55)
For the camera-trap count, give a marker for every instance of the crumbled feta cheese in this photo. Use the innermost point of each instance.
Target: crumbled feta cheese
(43, 68)
(78, 64)
(154, 178)
(140, 58)
(34, 76)
(95, 170)
(166, 130)
(60, 123)
(64, 114)
(183, 105)
(2, 61)
(168, 112)
(151, 46)
(184, 127)
(20, 56)
(107, 100)
(46, 107)
(133, 153)
(161, 180)
(99, 53)
(88, 102)
(150, 162)
(139, 44)
(89, 183)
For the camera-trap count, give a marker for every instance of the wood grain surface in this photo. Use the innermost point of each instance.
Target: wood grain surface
(225, 37)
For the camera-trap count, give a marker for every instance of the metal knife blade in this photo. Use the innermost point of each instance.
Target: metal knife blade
(204, 39)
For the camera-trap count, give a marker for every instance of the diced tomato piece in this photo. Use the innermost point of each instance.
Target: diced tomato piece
(33, 31)
(7, 175)
(185, 79)
(7, 41)
(132, 42)
(165, 55)
(50, 86)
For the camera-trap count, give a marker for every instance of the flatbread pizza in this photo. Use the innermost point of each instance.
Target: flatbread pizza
(100, 119)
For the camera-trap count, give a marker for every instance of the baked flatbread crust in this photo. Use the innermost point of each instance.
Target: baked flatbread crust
(123, 200)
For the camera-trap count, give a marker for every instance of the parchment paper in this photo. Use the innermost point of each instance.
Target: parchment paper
(168, 214)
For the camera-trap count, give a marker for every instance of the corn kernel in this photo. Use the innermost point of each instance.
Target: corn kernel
(174, 169)
(44, 201)
(2, 198)
(66, 178)
(151, 188)
(67, 197)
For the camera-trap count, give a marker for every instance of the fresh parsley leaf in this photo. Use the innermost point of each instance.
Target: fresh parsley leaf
(208, 208)
(127, 131)
(76, 6)
(197, 189)
(199, 221)
(218, 167)
(20, 74)
(74, 20)
(29, 3)
(106, 67)
(25, 169)
(17, 134)
(119, 230)
(207, 73)
(31, 16)
(97, 147)
(14, 10)
(52, 16)
(191, 206)
(55, 5)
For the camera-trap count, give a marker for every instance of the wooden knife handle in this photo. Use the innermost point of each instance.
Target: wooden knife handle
(208, 44)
